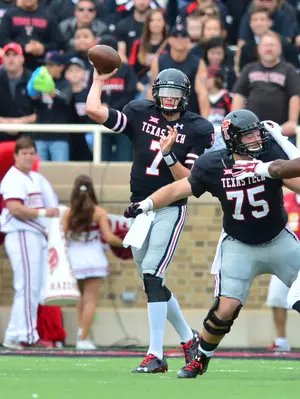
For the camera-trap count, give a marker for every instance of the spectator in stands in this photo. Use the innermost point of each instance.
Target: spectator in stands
(220, 104)
(270, 87)
(282, 22)
(84, 39)
(211, 27)
(194, 28)
(216, 53)
(15, 105)
(260, 23)
(85, 17)
(63, 9)
(130, 28)
(201, 7)
(55, 104)
(82, 224)
(117, 92)
(152, 43)
(75, 74)
(180, 58)
(33, 28)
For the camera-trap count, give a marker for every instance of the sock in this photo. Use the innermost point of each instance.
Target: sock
(157, 315)
(175, 317)
(206, 348)
(279, 341)
(296, 306)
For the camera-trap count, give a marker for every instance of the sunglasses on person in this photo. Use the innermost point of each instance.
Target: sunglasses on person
(82, 9)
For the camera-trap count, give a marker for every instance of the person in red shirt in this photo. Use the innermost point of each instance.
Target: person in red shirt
(277, 293)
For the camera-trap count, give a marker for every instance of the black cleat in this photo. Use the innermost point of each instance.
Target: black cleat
(190, 348)
(151, 365)
(198, 366)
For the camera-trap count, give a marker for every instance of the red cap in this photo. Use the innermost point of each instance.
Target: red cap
(13, 47)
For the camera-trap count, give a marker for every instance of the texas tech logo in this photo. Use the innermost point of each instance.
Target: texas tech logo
(225, 126)
(52, 259)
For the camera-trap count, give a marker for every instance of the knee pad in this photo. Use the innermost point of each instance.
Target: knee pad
(224, 325)
(154, 289)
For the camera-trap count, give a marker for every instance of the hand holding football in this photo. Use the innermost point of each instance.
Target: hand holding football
(104, 58)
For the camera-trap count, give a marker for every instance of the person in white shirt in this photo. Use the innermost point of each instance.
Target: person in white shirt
(28, 199)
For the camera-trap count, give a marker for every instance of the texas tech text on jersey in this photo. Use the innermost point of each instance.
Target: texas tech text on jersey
(253, 210)
(144, 124)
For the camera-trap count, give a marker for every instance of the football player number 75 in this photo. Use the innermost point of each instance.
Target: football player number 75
(261, 206)
(153, 168)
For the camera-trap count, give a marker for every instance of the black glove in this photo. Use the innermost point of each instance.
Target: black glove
(133, 210)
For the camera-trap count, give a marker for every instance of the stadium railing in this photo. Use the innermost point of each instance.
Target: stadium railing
(97, 130)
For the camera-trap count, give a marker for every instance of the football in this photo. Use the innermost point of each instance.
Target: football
(104, 58)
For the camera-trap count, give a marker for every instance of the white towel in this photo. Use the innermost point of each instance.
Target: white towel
(216, 266)
(139, 230)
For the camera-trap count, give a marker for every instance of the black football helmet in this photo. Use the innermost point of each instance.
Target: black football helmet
(171, 83)
(238, 123)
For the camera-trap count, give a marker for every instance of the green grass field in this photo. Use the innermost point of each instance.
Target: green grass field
(109, 378)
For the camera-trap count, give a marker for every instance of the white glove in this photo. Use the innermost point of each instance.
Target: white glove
(275, 131)
(243, 169)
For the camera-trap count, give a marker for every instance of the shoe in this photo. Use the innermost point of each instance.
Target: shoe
(40, 344)
(85, 345)
(198, 366)
(151, 364)
(277, 348)
(12, 345)
(190, 348)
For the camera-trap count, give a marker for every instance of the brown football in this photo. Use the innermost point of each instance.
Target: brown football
(104, 58)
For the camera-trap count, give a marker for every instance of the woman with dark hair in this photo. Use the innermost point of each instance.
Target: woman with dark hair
(217, 54)
(152, 42)
(83, 223)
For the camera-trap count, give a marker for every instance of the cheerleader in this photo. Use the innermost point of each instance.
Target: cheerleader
(82, 223)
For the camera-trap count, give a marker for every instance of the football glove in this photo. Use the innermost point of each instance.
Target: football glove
(137, 208)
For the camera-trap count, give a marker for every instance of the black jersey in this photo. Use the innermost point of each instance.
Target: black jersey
(253, 207)
(144, 124)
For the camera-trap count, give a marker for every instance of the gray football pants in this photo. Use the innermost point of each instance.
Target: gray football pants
(241, 263)
(159, 246)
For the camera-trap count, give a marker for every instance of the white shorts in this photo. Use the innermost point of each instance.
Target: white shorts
(277, 294)
(87, 259)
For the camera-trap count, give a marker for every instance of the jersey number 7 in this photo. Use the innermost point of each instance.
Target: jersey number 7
(153, 170)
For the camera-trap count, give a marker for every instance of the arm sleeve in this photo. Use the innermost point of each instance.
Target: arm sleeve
(64, 94)
(203, 140)
(197, 179)
(242, 85)
(292, 82)
(6, 30)
(11, 190)
(120, 122)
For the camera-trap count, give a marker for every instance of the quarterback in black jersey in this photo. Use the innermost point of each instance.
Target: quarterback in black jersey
(166, 141)
(255, 237)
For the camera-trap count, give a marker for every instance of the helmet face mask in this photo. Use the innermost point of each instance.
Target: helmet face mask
(171, 91)
(244, 134)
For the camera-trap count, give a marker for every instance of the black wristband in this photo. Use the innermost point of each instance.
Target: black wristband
(170, 158)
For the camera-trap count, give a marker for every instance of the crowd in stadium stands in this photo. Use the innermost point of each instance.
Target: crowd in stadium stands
(224, 46)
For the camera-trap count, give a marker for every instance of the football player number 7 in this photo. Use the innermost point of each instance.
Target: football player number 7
(153, 168)
(249, 195)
